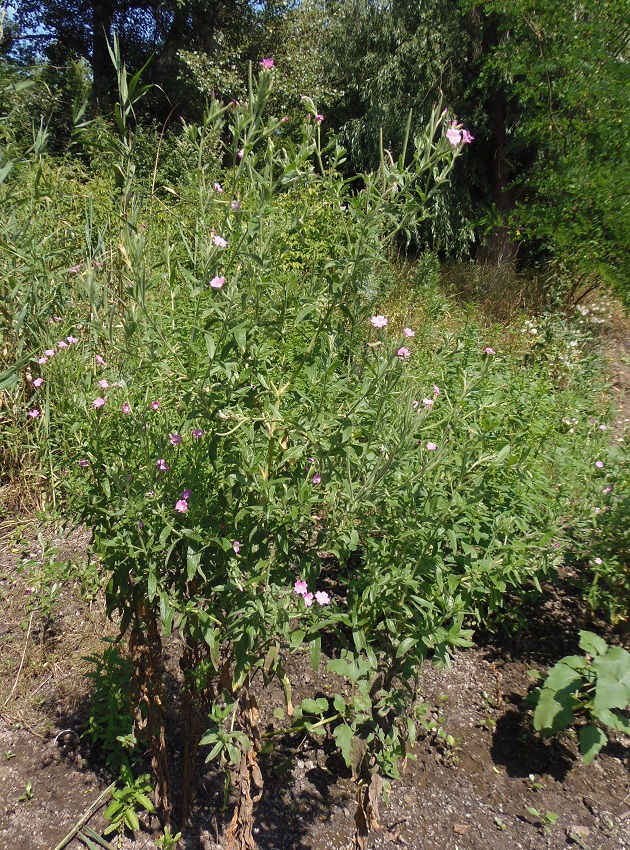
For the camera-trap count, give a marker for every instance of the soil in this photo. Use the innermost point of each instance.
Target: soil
(474, 793)
(492, 785)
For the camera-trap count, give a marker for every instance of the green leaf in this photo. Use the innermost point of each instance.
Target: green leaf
(240, 335)
(555, 711)
(315, 651)
(592, 739)
(339, 704)
(592, 643)
(405, 646)
(310, 706)
(193, 559)
(563, 674)
(613, 720)
(151, 585)
(145, 802)
(613, 679)
(343, 736)
(503, 455)
(131, 819)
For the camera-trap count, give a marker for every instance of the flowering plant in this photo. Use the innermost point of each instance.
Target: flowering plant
(265, 458)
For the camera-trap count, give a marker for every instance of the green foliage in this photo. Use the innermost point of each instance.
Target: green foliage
(168, 841)
(596, 685)
(601, 543)
(225, 402)
(127, 801)
(558, 75)
(47, 577)
(110, 723)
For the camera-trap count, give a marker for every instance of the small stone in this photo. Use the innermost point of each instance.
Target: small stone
(578, 831)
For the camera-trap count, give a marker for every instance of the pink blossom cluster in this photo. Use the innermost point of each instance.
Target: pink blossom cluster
(320, 596)
(379, 322)
(456, 135)
(181, 505)
(45, 357)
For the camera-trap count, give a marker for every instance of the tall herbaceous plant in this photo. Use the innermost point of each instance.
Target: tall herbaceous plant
(259, 457)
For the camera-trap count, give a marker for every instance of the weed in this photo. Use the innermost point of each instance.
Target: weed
(127, 801)
(595, 686)
(27, 794)
(546, 820)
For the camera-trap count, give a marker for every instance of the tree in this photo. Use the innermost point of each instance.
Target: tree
(552, 79)
(61, 29)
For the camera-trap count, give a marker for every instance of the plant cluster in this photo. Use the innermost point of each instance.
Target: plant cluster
(595, 686)
(265, 457)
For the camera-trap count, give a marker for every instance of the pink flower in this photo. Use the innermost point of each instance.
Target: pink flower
(181, 506)
(33, 414)
(103, 384)
(71, 340)
(489, 350)
(126, 408)
(62, 344)
(319, 118)
(322, 597)
(76, 268)
(98, 402)
(403, 353)
(50, 352)
(38, 382)
(308, 599)
(467, 137)
(197, 432)
(235, 205)
(599, 464)
(57, 319)
(300, 587)
(219, 241)
(317, 478)
(185, 494)
(155, 405)
(436, 390)
(99, 360)
(598, 510)
(162, 465)
(428, 402)
(607, 490)
(454, 136)
(241, 153)
(598, 561)
(236, 546)
(42, 360)
(408, 332)
(218, 188)
(175, 439)
(266, 64)
(379, 321)
(83, 463)
(603, 428)
(431, 447)
(217, 282)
